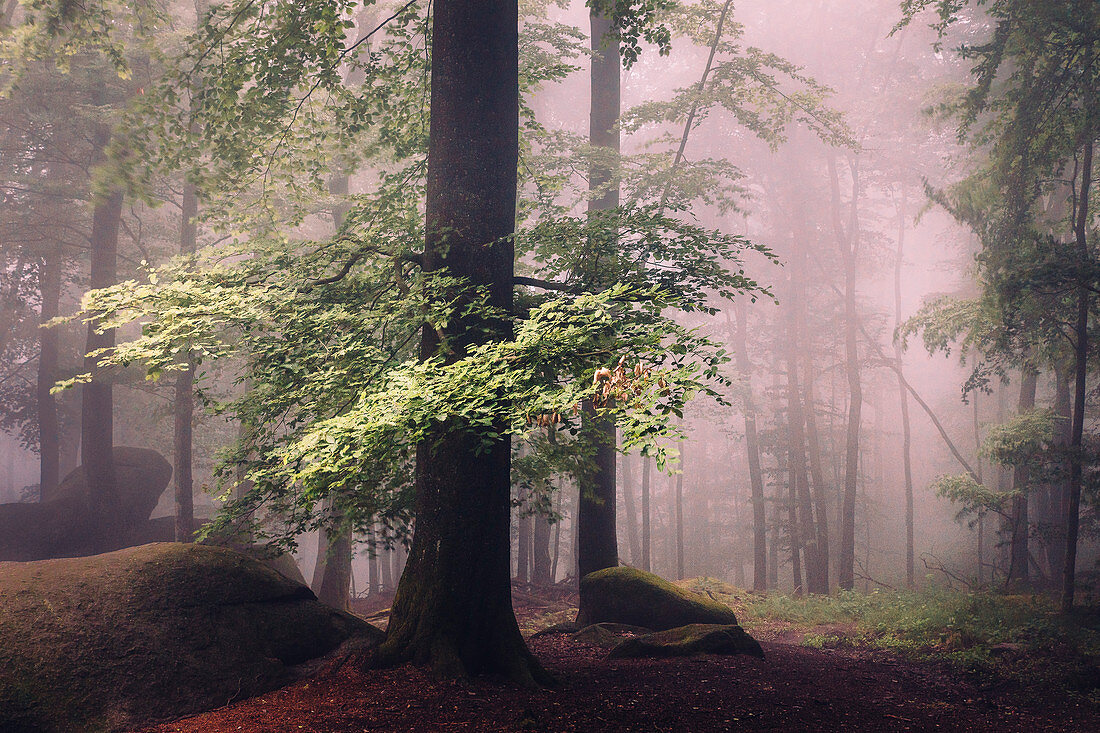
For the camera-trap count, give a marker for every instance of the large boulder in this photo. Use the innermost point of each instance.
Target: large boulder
(625, 595)
(65, 523)
(141, 476)
(689, 640)
(113, 641)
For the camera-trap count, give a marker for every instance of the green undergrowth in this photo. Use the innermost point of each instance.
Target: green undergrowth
(1008, 637)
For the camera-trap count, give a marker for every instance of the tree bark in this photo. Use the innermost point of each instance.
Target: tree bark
(1080, 355)
(96, 414)
(903, 396)
(453, 606)
(679, 505)
(646, 527)
(796, 443)
(49, 426)
(1021, 526)
(540, 554)
(752, 449)
(597, 543)
(332, 576)
(630, 509)
(184, 398)
(849, 247)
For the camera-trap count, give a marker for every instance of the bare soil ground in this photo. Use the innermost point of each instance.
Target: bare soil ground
(795, 688)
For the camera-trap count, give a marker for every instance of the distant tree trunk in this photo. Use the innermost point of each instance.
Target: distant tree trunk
(903, 394)
(374, 566)
(540, 551)
(96, 415)
(817, 475)
(523, 544)
(796, 442)
(752, 449)
(1080, 355)
(332, 576)
(453, 608)
(1059, 488)
(849, 247)
(630, 510)
(49, 426)
(596, 533)
(646, 529)
(1021, 526)
(978, 478)
(679, 502)
(184, 398)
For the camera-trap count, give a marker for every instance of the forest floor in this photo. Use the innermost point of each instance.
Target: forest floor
(815, 677)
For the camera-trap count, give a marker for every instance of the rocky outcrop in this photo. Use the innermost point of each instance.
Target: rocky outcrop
(625, 595)
(148, 633)
(65, 523)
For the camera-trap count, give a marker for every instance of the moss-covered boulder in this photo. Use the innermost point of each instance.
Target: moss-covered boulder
(155, 632)
(689, 640)
(625, 595)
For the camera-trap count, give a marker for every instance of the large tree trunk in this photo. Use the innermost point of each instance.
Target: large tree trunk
(1080, 355)
(1021, 526)
(596, 532)
(453, 609)
(849, 247)
(49, 426)
(752, 448)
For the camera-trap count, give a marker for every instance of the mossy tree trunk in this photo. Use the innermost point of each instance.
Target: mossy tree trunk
(453, 609)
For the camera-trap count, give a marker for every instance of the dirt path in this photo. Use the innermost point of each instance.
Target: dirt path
(794, 689)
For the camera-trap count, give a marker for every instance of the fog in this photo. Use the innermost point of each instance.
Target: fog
(855, 120)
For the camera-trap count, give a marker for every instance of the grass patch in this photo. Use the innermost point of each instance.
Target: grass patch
(1018, 637)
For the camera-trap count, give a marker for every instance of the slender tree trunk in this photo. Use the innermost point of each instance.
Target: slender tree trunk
(597, 541)
(453, 607)
(817, 475)
(1059, 489)
(373, 562)
(646, 528)
(679, 505)
(1021, 526)
(183, 398)
(903, 396)
(1080, 355)
(752, 449)
(978, 478)
(96, 415)
(49, 426)
(796, 443)
(332, 576)
(849, 247)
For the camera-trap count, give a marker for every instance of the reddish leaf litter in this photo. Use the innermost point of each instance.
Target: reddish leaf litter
(794, 689)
